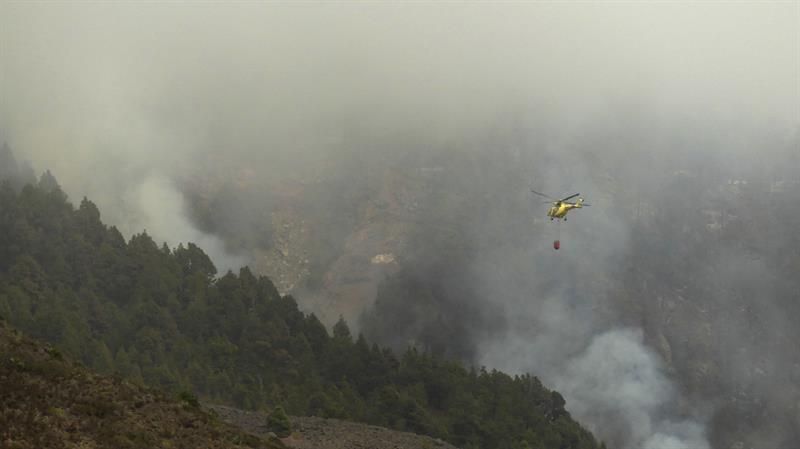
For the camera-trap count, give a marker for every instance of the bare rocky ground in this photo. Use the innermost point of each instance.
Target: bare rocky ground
(321, 433)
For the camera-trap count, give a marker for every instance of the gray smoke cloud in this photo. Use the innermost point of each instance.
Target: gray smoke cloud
(163, 212)
(564, 321)
(128, 104)
(616, 385)
(617, 378)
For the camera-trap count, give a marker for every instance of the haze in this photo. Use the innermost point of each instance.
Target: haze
(158, 85)
(126, 102)
(107, 94)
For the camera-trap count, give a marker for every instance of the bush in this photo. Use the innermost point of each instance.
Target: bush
(278, 422)
(188, 398)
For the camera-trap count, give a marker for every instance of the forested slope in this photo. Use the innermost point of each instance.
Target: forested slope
(163, 317)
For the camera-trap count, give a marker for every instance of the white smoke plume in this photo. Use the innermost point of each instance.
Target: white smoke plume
(563, 324)
(162, 210)
(617, 383)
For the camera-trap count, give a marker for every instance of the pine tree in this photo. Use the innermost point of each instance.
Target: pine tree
(103, 362)
(341, 330)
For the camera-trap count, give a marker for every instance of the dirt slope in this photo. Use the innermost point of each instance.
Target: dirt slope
(320, 433)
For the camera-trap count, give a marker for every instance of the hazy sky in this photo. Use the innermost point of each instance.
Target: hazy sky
(160, 82)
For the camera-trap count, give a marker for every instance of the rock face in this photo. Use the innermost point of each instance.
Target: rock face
(320, 433)
(287, 262)
(339, 277)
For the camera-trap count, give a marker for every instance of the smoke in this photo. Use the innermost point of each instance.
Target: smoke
(163, 214)
(683, 435)
(621, 387)
(649, 360)
(563, 324)
(616, 385)
(104, 94)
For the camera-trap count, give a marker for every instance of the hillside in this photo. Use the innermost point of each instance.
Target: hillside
(163, 317)
(49, 401)
(322, 433)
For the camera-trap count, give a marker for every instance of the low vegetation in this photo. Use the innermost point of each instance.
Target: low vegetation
(49, 401)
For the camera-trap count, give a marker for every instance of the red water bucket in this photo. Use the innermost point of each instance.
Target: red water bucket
(556, 244)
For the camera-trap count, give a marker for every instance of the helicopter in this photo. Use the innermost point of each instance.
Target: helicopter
(561, 207)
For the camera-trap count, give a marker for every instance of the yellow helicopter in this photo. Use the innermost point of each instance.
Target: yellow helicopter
(561, 207)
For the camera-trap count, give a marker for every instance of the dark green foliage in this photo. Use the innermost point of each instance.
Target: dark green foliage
(161, 317)
(278, 422)
(189, 398)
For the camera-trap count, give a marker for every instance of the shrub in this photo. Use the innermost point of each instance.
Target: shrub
(278, 422)
(189, 398)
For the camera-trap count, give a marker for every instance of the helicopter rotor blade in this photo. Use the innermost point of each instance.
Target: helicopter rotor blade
(543, 195)
(570, 197)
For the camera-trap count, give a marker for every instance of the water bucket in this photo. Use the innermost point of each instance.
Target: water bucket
(556, 244)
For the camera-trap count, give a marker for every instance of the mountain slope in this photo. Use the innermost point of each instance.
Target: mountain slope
(322, 433)
(162, 317)
(49, 401)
